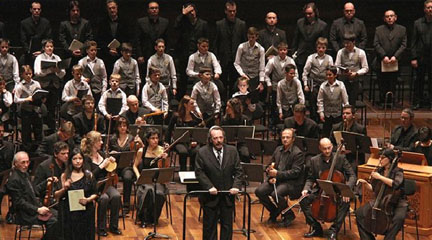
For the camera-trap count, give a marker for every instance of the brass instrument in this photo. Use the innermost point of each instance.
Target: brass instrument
(388, 94)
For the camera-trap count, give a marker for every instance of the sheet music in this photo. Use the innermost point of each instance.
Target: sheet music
(74, 197)
(338, 136)
(389, 67)
(187, 176)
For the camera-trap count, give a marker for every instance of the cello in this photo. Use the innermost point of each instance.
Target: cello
(324, 207)
(378, 220)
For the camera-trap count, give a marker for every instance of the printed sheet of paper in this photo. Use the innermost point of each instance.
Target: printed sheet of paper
(74, 197)
(389, 67)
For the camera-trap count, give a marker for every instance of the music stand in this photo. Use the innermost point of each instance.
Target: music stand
(124, 159)
(335, 188)
(312, 146)
(234, 133)
(198, 135)
(261, 147)
(299, 142)
(327, 187)
(357, 143)
(143, 128)
(253, 172)
(154, 176)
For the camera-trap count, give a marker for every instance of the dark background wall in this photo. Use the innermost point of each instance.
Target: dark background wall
(253, 11)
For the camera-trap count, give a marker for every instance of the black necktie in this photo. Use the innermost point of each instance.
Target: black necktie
(219, 156)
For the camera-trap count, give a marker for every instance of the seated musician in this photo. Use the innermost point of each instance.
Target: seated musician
(65, 133)
(77, 176)
(91, 146)
(154, 95)
(143, 160)
(121, 142)
(349, 125)
(287, 173)
(319, 164)
(424, 143)
(185, 117)
(135, 113)
(405, 135)
(57, 161)
(26, 206)
(393, 182)
(303, 125)
(234, 116)
(88, 119)
(6, 155)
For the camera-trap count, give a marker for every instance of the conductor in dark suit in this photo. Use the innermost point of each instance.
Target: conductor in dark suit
(348, 23)
(309, 28)
(389, 42)
(149, 29)
(230, 32)
(217, 168)
(350, 125)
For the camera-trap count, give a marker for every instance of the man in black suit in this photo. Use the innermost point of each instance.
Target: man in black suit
(149, 29)
(287, 172)
(348, 23)
(349, 125)
(190, 28)
(309, 28)
(404, 136)
(217, 168)
(389, 42)
(6, 155)
(33, 30)
(303, 125)
(58, 160)
(84, 121)
(2, 30)
(65, 134)
(230, 32)
(135, 113)
(421, 54)
(320, 163)
(111, 27)
(271, 35)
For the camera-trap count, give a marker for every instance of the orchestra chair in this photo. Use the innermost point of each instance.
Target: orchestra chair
(20, 228)
(410, 189)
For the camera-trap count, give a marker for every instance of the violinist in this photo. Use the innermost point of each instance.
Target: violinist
(121, 142)
(135, 112)
(287, 174)
(78, 224)
(234, 116)
(319, 164)
(185, 117)
(143, 160)
(26, 206)
(88, 119)
(394, 182)
(91, 146)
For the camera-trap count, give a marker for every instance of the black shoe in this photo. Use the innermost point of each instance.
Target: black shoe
(102, 233)
(332, 236)
(271, 220)
(416, 106)
(315, 232)
(115, 231)
(287, 220)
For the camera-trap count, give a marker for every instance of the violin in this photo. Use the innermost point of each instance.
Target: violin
(112, 166)
(378, 220)
(163, 162)
(49, 196)
(324, 207)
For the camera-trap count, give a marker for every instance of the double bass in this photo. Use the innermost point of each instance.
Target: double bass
(324, 207)
(378, 220)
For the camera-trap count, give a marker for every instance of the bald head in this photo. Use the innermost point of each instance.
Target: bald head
(326, 147)
(349, 10)
(271, 19)
(133, 104)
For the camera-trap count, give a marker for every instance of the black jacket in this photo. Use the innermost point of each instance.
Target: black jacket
(309, 128)
(337, 33)
(227, 42)
(290, 165)
(147, 32)
(404, 140)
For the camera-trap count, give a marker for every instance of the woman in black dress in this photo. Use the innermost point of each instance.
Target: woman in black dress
(143, 160)
(78, 224)
(185, 117)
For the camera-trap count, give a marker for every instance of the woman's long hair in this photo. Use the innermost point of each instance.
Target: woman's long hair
(237, 107)
(88, 142)
(181, 108)
(70, 168)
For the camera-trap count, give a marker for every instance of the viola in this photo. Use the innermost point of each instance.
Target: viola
(324, 207)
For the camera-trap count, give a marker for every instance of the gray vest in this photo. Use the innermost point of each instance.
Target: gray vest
(278, 72)
(205, 100)
(6, 70)
(96, 80)
(154, 96)
(332, 101)
(250, 61)
(318, 71)
(199, 64)
(352, 64)
(162, 63)
(289, 96)
(127, 75)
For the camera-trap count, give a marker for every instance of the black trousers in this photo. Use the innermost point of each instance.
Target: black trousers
(184, 152)
(352, 88)
(128, 178)
(342, 210)
(51, 104)
(111, 199)
(419, 84)
(328, 124)
(31, 123)
(386, 83)
(229, 79)
(396, 222)
(221, 212)
(283, 189)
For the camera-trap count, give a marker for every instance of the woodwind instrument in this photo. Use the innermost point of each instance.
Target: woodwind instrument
(95, 120)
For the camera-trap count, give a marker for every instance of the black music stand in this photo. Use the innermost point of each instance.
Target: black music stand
(335, 189)
(198, 135)
(312, 146)
(133, 128)
(261, 147)
(235, 133)
(357, 143)
(154, 176)
(253, 172)
(124, 159)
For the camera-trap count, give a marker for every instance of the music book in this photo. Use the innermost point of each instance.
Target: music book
(343, 69)
(35, 44)
(64, 64)
(187, 177)
(82, 93)
(271, 51)
(389, 67)
(114, 44)
(37, 97)
(87, 72)
(113, 106)
(74, 197)
(75, 45)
